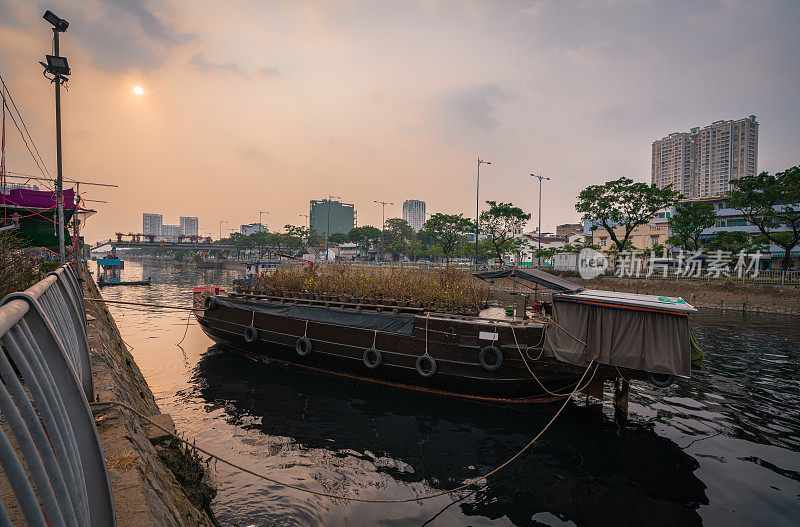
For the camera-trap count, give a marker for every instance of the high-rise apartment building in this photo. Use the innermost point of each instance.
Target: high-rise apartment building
(190, 226)
(151, 223)
(414, 213)
(340, 216)
(170, 231)
(702, 162)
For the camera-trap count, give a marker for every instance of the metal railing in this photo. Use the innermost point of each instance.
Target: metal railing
(751, 276)
(54, 471)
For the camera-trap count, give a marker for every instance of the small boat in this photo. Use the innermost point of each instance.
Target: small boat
(110, 271)
(588, 337)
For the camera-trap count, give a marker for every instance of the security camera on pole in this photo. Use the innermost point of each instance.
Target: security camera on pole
(57, 67)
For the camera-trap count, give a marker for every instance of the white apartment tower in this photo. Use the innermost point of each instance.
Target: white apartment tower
(702, 162)
(414, 213)
(151, 223)
(190, 226)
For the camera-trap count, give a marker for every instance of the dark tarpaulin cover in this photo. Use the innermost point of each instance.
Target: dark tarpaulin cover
(533, 275)
(627, 338)
(383, 322)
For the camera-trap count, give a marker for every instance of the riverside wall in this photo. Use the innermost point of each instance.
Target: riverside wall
(722, 295)
(155, 482)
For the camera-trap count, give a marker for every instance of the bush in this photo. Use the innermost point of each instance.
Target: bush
(20, 268)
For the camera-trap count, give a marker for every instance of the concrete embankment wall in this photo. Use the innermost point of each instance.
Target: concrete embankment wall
(154, 482)
(726, 295)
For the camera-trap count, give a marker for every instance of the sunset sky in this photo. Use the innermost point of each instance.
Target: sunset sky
(250, 106)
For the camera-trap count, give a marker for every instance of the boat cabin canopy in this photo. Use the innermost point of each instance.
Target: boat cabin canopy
(111, 262)
(260, 268)
(536, 276)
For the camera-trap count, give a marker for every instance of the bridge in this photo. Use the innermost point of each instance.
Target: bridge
(196, 246)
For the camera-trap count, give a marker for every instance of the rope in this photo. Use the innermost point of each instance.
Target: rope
(161, 306)
(351, 498)
(305, 331)
(185, 331)
(375, 338)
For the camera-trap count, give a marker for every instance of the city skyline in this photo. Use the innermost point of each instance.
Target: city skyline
(359, 107)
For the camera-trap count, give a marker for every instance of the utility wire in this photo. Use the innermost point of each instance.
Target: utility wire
(8, 92)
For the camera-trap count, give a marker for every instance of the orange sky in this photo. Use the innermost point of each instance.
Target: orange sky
(251, 106)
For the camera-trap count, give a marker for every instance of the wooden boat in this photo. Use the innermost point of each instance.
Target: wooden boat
(103, 283)
(542, 357)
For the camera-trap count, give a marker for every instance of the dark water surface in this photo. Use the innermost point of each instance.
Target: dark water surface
(720, 449)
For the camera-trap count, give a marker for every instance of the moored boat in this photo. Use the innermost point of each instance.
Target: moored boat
(590, 335)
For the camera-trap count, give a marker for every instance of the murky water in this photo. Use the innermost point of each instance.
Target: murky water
(720, 449)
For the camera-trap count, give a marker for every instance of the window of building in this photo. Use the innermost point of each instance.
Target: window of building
(602, 242)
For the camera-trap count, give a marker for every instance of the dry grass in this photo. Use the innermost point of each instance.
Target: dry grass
(440, 289)
(123, 461)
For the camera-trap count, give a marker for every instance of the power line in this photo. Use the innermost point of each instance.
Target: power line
(22, 120)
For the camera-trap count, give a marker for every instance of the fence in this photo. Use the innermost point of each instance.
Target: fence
(751, 276)
(54, 472)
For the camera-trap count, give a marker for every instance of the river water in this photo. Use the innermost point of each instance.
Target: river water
(722, 448)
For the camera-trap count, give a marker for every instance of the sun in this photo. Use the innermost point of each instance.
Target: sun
(138, 90)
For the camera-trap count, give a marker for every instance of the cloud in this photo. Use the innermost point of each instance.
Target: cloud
(269, 71)
(335, 142)
(535, 8)
(200, 63)
(250, 153)
(468, 109)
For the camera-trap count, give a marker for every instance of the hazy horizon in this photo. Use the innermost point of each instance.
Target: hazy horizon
(249, 107)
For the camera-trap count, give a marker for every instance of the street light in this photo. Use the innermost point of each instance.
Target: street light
(328, 228)
(477, 207)
(383, 221)
(539, 237)
(307, 224)
(260, 225)
(57, 66)
(220, 228)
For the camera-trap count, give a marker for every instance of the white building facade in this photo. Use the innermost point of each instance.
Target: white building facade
(151, 223)
(414, 213)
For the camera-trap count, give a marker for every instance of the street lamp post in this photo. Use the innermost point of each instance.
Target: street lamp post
(328, 228)
(477, 206)
(539, 237)
(307, 224)
(57, 66)
(220, 228)
(383, 221)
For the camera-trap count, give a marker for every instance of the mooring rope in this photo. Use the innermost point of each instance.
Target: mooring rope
(352, 498)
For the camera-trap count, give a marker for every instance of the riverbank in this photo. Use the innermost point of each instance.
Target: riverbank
(725, 296)
(154, 482)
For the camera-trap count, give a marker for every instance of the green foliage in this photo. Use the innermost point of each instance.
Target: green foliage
(500, 222)
(398, 236)
(446, 231)
(771, 202)
(623, 203)
(733, 241)
(689, 221)
(366, 237)
(19, 269)
(337, 238)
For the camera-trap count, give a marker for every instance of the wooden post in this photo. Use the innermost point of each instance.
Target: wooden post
(622, 390)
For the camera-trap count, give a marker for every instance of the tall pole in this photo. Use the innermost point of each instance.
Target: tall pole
(328, 228)
(383, 220)
(539, 237)
(59, 178)
(477, 207)
(307, 224)
(220, 228)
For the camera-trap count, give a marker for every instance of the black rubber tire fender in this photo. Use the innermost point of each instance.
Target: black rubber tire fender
(498, 355)
(660, 380)
(303, 346)
(372, 358)
(211, 303)
(432, 363)
(250, 334)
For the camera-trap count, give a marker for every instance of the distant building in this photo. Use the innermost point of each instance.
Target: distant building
(251, 228)
(702, 162)
(190, 226)
(340, 216)
(568, 229)
(171, 231)
(414, 213)
(151, 223)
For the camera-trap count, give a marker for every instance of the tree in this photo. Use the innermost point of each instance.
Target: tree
(623, 203)
(771, 202)
(398, 236)
(365, 237)
(446, 230)
(500, 222)
(337, 238)
(689, 221)
(731, 241)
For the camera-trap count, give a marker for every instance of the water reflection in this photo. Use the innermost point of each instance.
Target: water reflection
(587, 470)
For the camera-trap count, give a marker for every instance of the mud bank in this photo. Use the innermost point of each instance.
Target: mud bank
(154, 481)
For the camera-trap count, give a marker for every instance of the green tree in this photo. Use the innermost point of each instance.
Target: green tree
(337, 238)
(623, 203)
(771, 202)
(500, 222)
(446, 230)
(366, 237)
(398, 236)
(733, 241)
(689, 220)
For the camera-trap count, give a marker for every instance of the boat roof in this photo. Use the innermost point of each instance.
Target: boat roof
(109, 262)
(628, 300)
(536, 276)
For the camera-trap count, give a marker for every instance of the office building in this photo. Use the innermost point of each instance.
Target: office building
(414, 213)
(702, 162)
(151, 223)
(340, 216)
(568, 229)
(189, 226)
(251, 228)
